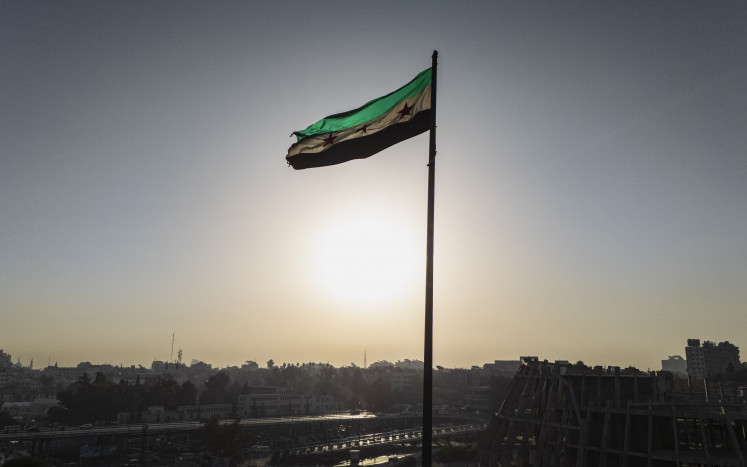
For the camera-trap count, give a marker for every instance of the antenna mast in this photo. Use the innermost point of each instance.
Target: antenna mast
(171, 359)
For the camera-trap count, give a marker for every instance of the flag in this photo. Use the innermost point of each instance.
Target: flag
(363, 132)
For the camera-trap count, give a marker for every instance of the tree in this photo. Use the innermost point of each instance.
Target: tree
(270, 364)
(86, 402)
(188, 393)
(357, 386)
(216, 389)
(100, 379)
(380, 394)
(47, 385)
(225, 440)
(79, 399)
(324, 382)
(233, 391)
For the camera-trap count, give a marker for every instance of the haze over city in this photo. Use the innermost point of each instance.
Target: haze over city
(591, 201)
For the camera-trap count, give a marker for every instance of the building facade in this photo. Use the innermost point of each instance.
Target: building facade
(268, 401)
(710, 359)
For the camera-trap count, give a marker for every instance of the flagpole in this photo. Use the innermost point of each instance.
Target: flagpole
(428, 341)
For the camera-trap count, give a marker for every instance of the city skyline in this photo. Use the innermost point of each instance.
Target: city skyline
(590, 198)
(363, 363)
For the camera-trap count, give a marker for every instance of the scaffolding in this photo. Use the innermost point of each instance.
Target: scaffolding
(607, 419)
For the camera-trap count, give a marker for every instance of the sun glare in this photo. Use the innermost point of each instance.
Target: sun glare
(367, 260)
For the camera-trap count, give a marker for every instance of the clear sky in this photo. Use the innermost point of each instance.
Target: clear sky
(591, 186)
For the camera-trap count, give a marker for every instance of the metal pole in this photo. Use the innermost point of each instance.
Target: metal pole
(428, 341)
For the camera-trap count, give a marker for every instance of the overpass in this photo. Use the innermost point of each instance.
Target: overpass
(282, 427)
(155, 428)
(384, 439)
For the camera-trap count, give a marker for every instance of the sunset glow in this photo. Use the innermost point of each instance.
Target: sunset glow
(366, 260)
(590, 195)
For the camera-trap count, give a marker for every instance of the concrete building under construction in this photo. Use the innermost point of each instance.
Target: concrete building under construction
(556, 415)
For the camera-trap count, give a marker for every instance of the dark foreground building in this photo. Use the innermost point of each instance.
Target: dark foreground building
(553, 417)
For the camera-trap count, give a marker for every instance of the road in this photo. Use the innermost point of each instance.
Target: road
(135, 429)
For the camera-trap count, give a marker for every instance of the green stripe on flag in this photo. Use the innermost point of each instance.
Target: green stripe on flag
(369, 110)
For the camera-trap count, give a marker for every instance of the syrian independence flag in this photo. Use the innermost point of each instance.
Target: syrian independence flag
(363, 132)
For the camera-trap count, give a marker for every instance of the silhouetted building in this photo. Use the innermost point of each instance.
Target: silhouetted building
(675, 364)
(5, 363)
(381, 364)
(272, 401)
(408, 364)
(710, 359)
(502, 367)
(608, 419)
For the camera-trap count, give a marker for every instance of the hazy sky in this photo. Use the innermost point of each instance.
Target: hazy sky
(591, 185)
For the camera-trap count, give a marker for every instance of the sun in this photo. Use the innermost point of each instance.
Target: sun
(367, 259)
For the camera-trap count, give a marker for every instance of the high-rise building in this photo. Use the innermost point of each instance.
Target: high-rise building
(710, 359)
(675, 365)
(5, 362)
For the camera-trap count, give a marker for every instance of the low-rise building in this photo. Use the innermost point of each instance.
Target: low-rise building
(205, 412)
(505, 368)
(270, 401)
